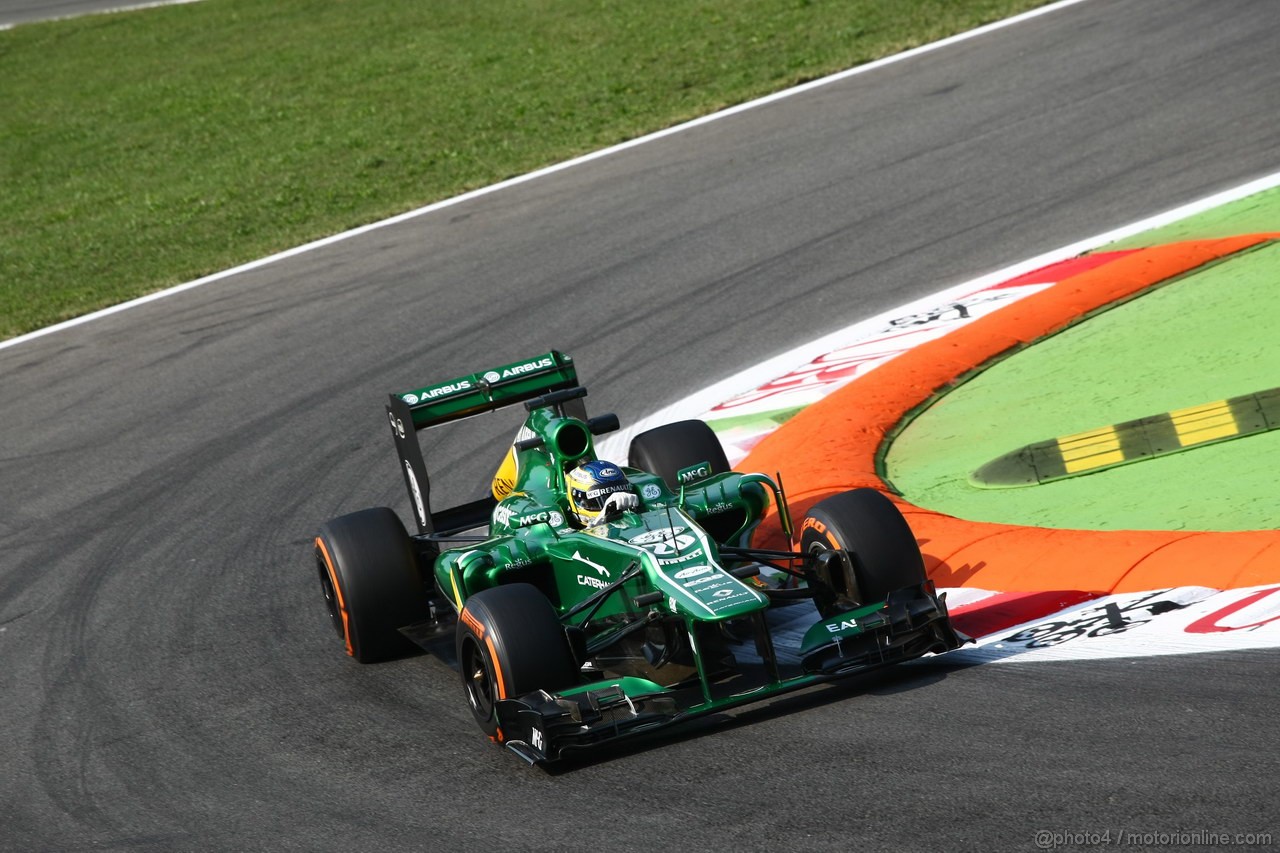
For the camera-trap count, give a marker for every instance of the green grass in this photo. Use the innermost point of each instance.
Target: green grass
(143, 149)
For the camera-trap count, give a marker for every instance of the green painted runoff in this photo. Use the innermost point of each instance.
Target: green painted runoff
(1205, 337)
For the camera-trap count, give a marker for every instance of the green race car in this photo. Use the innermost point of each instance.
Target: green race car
(587, 602)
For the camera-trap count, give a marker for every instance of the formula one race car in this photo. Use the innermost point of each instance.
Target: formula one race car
(587, 602)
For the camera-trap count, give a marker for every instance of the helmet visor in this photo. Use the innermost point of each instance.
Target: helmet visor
(593, 500)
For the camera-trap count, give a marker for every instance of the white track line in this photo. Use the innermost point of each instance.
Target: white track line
(134, 8)
(511, 182)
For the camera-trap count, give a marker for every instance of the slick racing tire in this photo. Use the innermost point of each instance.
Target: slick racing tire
(510, 643)
(668, 449)
(881, 545)
(371, 583)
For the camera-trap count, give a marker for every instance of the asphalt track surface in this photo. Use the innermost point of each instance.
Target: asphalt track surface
(167, 676)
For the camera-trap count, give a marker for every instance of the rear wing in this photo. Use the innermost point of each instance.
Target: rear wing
(464, 397)
(489, 390)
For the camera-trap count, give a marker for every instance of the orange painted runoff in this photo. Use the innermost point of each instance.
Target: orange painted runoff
(831, 446)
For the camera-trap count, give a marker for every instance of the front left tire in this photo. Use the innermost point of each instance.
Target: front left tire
(885, 554)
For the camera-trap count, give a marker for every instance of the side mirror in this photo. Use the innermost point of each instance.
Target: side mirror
(601, 424)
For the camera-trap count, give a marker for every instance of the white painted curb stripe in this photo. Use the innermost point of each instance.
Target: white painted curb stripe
(568, 164)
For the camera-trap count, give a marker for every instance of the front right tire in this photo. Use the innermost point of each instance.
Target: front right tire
(510, 642)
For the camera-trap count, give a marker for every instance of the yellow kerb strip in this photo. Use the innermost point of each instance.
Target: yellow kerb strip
(1204, 423)
(1092, 449)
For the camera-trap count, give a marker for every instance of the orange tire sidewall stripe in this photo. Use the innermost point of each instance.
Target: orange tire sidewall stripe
(499, 682)
(831, 447)
(471, 622)
(337, 591)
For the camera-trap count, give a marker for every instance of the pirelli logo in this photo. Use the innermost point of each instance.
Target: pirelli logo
(1132, 441)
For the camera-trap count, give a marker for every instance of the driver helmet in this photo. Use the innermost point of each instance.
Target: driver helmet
(590, 485)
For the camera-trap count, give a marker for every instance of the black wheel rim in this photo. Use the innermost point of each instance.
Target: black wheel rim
(330, 598)
(478, 681)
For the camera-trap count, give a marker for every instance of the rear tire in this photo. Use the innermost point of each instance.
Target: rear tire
(865, 523)
(510, 642)
(371, 583)
(668, 449)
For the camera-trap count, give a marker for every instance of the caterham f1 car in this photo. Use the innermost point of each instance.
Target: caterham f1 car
(587, 602)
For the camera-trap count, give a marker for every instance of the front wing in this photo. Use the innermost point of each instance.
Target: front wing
(912, 622)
